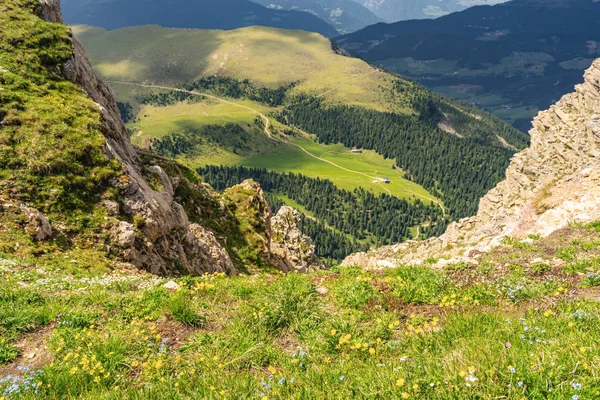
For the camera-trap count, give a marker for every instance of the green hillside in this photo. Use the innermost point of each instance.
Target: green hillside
(269, 57)
(308, 93)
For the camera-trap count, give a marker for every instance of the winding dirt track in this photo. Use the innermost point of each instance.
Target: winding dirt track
(269, 133)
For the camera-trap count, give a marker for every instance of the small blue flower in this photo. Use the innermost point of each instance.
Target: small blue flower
(520, 383)
(576, 386)
(513, 370)
(575, 397)
(342, 378)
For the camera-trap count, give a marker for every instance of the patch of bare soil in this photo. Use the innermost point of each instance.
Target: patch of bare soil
(175, 333)
(592, 294)
(34, 352)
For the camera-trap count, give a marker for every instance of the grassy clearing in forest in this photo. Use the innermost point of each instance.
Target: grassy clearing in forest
(463, 332)
(361, 169)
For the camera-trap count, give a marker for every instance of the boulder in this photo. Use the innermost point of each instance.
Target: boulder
(38, 226)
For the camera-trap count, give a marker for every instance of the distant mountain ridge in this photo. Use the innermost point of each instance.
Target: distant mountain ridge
(402, 10)
(345, 15)
(513, 59)
(198, 14)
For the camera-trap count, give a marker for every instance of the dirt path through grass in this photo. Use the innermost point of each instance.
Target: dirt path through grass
(267, 130)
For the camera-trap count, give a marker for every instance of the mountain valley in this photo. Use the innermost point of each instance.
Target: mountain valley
(201, 14)
(177, 229)
(227, 84)
(511, 59)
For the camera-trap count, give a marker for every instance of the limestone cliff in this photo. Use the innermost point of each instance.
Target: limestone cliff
(292, 251)
(164, 219)
(548, 186)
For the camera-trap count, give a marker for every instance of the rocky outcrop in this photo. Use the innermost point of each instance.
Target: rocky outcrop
(275, 239)
(38, 226)
(162, 221)
(550, 185)
(292, 250)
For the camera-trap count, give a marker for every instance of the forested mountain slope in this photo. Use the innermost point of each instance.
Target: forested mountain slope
(452, 149)
(401, 10)
(199, 14)
(512, 59)
(553, 185)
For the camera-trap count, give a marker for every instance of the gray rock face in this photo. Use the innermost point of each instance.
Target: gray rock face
(170, 243)
(125, 235)
(548, 186)
(49, 10)
(292, 250)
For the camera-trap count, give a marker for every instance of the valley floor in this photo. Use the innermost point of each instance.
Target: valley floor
(522, 324)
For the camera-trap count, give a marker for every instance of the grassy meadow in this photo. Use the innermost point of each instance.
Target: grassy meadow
(357, 170)
(268, 57)
(512, 327)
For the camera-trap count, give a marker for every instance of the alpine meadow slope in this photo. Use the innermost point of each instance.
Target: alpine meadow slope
(320, 95)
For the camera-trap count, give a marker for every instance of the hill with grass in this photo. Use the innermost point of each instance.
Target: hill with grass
(311, 97)
(512, 59)
(73, 185)
(345, 15)
(80, 318)
(199, 14)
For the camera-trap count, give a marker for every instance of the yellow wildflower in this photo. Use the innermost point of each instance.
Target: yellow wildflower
(372, 351)
(272, 369)
(405, 395)
(400, 382)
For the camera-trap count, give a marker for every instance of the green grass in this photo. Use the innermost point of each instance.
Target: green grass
(266, 56)
(50, 136)
(367, 166)
(156, 122)
(409, 332)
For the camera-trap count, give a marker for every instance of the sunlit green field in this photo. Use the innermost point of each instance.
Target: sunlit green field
(362, 169)
(351, 170)
(266, 56)
(86, 330)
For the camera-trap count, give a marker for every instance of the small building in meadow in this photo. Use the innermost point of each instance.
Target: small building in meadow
(386, 180)
(357, 151)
